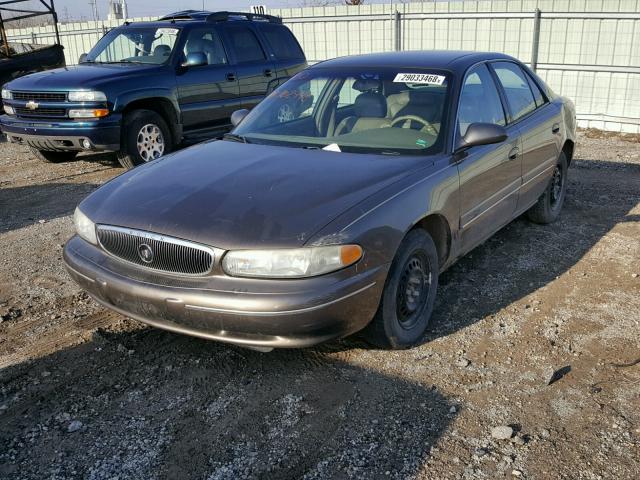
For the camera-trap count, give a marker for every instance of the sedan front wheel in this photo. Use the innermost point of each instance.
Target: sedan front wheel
(409, 294)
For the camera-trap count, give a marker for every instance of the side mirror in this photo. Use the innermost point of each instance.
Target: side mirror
(238, 116)
(82, 58)
(195, 59)
(483, 134)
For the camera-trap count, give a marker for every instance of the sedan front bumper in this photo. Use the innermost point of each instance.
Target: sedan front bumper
(247, 312)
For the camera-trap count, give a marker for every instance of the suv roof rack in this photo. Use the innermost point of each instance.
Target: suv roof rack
(252, 17)
(220, 16)
(185, 15)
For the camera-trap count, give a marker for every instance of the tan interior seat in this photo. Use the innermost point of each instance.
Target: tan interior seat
(370, 112)
(396, 102)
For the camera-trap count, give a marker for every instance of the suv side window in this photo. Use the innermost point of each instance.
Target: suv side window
(479, 100)
(516, 88)
(207, 41)
(246, 45)
(282, 41)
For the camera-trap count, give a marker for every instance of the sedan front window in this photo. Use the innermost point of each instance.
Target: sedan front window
(387, 111)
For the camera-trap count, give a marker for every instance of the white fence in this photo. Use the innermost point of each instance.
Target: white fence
(588, 50)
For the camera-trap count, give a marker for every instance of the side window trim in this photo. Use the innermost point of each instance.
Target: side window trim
(456, 125)
(503, 94)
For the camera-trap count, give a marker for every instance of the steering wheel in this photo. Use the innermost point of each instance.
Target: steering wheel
(407, 119)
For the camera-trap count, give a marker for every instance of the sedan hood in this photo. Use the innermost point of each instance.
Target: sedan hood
(233, 195)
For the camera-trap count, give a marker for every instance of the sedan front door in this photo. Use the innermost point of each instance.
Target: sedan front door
(490, 175)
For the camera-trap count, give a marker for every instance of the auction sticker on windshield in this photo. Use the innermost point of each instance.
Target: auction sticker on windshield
(421, 78)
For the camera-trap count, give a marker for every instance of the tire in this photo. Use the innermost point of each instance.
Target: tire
(404, 312)
(148, 129)
(53, 156)
(548, 207)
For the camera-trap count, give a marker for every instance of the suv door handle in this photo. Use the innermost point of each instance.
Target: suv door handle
(231, 77)
(556, 128)
(513, 154)
(268, 72)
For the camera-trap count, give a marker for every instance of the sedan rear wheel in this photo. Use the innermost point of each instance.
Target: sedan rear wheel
(547, 208)
(409, 294)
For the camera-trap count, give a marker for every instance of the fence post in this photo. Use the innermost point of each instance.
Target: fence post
(536, 39)
(34, 40)
(397, 24)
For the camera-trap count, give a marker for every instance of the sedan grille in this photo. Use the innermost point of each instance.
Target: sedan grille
(40, 112)
(39, 96)
(157, 252)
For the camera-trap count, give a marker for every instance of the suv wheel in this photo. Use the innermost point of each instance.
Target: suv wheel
(409, 294)
(547, 208)
(145, 137)
(53, 156)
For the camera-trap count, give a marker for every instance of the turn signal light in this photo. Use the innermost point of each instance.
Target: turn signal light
(350, 254)
(89, 113)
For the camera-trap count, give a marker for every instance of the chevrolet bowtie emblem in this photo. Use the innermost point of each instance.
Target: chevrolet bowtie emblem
(31, 105)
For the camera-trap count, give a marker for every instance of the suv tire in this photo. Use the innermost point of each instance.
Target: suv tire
(53, 156)
(547, 208)
(145, 137)
(409, 294)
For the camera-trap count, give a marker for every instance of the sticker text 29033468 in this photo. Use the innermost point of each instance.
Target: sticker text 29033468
(422, 78)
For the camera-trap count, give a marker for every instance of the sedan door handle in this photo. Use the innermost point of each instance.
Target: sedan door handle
(231, 77)
(268, 72)
(513, 154)
(555, 129)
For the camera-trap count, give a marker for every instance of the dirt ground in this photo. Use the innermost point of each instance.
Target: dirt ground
(85, 393)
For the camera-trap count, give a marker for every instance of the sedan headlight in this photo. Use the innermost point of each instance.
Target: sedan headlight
(87, 96)
(290, 263)
(6, 94)
(85, 228)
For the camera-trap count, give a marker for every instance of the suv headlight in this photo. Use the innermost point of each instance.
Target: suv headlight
(85, 228)
(290, 263)
(6, 94)
(87, 96)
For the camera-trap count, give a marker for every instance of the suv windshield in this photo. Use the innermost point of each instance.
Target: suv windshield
(133, 44)
(387, 111)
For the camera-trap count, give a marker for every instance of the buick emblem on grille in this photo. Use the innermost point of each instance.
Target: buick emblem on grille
(31, 105)
(145, 253)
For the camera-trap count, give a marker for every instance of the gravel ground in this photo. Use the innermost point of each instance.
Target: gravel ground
(530, 369)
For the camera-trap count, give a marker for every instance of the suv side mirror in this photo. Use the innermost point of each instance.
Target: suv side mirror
(195, 59)
(483, 134)
(238, 116)
(82, 58)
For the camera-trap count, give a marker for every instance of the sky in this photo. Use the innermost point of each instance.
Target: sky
(81, 9)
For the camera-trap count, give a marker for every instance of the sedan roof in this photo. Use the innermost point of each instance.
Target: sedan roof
(454, 60)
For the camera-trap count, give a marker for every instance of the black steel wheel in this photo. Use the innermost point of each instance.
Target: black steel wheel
(547, 208)
(409, 294)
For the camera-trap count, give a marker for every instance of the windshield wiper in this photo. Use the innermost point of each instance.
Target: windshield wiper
(235, 138)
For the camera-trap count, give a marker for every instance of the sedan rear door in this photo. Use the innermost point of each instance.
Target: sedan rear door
(539, 123)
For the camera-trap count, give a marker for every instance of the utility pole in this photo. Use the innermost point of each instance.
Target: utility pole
(94, 5)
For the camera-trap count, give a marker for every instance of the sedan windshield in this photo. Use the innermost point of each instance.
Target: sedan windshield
(151, 45)
(385, 111)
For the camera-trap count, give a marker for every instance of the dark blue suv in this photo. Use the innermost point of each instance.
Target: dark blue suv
(147, 87)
